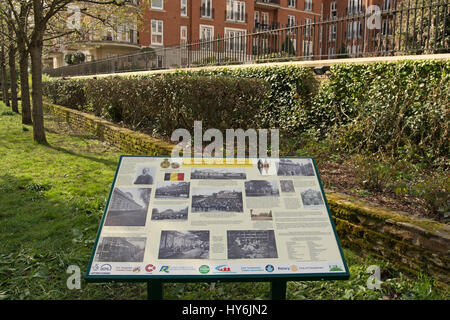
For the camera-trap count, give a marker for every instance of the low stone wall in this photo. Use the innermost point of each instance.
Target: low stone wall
(410, 244)
(128, 141)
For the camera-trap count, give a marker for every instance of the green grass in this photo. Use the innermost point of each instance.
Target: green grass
(51, 201)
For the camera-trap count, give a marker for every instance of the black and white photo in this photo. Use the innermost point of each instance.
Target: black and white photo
(261, 214)
(251, 244)
(121, 249)
(128, 207)
(145, 174)
(295, 167)
(217, 199)
(172, 190)
(312, 198)
(170, 212)
(184, 245)
(261, 188)
(218, 173)
(287, 186)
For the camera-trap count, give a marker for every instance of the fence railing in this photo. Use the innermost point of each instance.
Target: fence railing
(420, 28)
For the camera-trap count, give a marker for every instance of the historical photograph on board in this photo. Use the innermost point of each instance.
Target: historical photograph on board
(172, 190)
(121, 249)
(260, 214)
(169, 212)
(287, 186)
(261, 188)
(251, 244)
(145, 175)
(218, 173)
(217, 199)
(184, 245)
(128, 207)
(312, 198)
(295, 167)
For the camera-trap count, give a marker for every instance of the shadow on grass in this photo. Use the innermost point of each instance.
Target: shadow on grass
(91, 158)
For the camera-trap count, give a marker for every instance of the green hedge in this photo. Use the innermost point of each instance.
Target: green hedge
(161, 104)
(263, 97)
(400, 109)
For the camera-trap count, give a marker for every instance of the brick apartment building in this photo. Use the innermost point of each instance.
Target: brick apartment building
(171, 22)
(353, 36)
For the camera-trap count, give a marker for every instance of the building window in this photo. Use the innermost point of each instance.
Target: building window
(183, 35)
(157, 4)
(385, 27)
(307, 27)
(157, 32)
(354, 6)
(183, 8)
(206, 36)
(308, 5)
(331, 52)
(333, 9)
(387, 4)
(307, 48)
(235, 39)
(206, 9)
(292, 4)
(256, 18)
(333, 32)
(236, 10)
(264, 18)
(291, 21)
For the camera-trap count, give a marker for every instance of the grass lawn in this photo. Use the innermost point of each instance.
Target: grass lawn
(51, 202)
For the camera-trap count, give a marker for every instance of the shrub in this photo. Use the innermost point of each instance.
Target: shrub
(65, 93)
(161, 104)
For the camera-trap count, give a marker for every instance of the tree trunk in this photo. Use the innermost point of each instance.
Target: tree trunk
(4, 77)
(24, 85)
(36, 94)
(13, 77)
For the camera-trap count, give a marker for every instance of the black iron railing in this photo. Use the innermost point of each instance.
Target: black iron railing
(422, 28)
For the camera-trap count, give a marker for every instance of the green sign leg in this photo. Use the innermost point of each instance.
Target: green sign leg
(278, 289)
(155, 290)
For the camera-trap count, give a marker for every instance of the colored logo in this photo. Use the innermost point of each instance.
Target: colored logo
(150, 268)
(164, 269)
(203, 269)
(137, 269)
(106, 267)
(294, 268)
(270, 268)
(223, 268)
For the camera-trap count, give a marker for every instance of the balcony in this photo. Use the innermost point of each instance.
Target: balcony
(124, 38)
(267, 4)
(266, 26)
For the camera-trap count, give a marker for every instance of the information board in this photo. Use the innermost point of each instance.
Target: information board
(176, 218)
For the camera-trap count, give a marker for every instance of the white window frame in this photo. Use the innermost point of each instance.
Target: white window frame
(208, 5)
(291, 20)
(183, 8)
(236, 11)
(307, 48)
(256, 17)
(183, 40)
(308, 5)
(157, 33)
(211, 38)
(153, 5)
(387, 4)
(333, 9)
(236, 42)
(333, 32)
(292, 4)
(265, 15)
(308, 22)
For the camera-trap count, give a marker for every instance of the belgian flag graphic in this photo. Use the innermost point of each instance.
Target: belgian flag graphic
(174, 177)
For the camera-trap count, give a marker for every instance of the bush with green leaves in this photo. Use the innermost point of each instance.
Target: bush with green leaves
(399, 109)
(65, 93)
